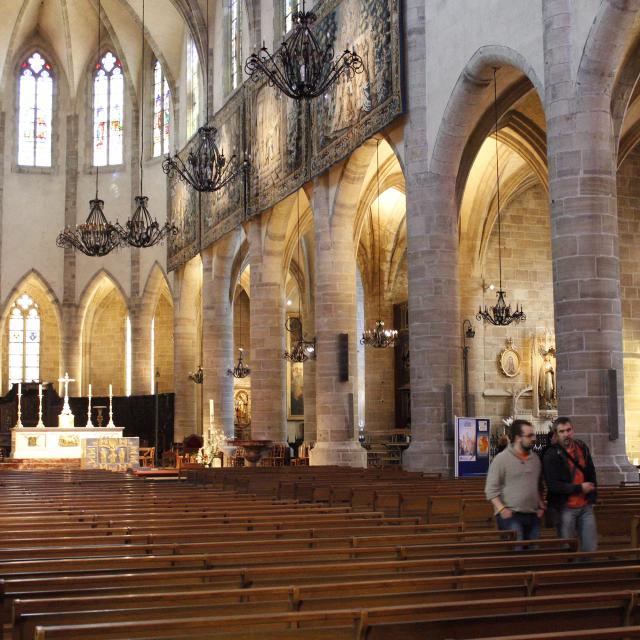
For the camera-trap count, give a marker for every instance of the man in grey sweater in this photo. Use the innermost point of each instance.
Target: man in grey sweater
(514, 484)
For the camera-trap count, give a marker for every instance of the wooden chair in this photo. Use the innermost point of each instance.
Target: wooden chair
(147, 456)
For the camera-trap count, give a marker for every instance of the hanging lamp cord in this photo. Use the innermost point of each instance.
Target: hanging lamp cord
(495, 114)
(98, 57)
(142, 101)
(379, 232)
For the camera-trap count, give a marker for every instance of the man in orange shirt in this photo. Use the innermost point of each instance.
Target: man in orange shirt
(571, 482)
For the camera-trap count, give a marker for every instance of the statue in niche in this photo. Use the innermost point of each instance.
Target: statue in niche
(547, 380)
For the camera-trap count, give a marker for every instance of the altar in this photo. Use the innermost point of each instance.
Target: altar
(55, 443)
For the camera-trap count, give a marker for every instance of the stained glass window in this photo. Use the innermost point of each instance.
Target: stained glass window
(35, 112)
(193, 87)
(290, 7)
(161, 105)
(24, 341)
(108, 111)
(234, 42)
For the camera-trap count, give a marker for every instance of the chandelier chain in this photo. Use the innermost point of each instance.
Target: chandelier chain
(495, 114)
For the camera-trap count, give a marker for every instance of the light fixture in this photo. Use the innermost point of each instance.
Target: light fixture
(300, 68)
(206, 169)
(379, 337)
(301, 349)
(197, 376)
(468, 333)
(142, 230)
(500, 314)
(240, 370)
(96, 236)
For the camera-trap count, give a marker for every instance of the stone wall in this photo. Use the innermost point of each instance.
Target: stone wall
(106, 346)
(629, 237)
(527, 280)
(163, 344)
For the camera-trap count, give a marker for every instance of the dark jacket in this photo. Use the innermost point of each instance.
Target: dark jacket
(558, 478)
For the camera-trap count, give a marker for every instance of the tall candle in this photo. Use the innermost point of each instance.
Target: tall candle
(19, 388)
(211, 409)
(89, 389)
(110, 391)
(40, 390)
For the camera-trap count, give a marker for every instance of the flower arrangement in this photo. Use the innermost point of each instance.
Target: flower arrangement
(212, 447)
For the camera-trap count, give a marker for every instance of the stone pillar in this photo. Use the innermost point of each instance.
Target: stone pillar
(586, 269)
(379, 367)
(309, 379)
(336, 408)
(267, 333)
(217, 328)
(187, 348)
(432, 256)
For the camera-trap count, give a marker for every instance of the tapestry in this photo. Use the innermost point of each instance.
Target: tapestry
(224, 209)
(184, 213)
(276, 135)
(355, 108)
(289, 143)
(111, 454)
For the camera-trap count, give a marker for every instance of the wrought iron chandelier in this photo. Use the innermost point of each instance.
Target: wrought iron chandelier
(240, 370)
(96, 236)
(300, 68)
(379, 337)
(206, 169)
(500, 314)
(301, 349)
(141, 230)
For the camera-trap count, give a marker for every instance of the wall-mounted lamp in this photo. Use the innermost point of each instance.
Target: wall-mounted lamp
(197, 376)
(488, 286)
(468, 333)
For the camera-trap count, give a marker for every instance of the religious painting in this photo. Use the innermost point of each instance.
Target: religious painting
(295, 380)
(184, 212)
(224, 209)
(509, 360)
(276, 135)
(355, 108)
(242, 406)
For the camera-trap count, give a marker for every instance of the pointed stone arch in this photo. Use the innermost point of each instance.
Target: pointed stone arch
(36, 286)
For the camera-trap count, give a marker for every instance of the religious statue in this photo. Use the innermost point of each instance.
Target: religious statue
(547, 380)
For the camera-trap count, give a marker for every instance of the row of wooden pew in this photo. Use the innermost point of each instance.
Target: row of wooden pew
(98, 555)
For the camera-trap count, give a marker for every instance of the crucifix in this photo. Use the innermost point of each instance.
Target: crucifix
(66, 417)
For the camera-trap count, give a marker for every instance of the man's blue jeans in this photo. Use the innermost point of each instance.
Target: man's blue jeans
(526, 525)
(580, 521)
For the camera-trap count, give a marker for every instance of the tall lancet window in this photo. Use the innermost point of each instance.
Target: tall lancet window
(36, 112)
(108, 111)
(234, 43)
(193, 87)
(290, 7)
(24, 341)
(161, 106)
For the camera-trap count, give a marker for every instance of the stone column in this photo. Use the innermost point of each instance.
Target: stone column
(379, 367)
(336, 408)
(217, 328)
(309, 379)
(586, 269)
(187, 348)
(432, 256)
(267, 333)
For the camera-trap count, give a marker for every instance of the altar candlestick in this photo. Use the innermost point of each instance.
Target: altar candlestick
(40, 424)
(19, 424)
(111, 423)
(89, 423)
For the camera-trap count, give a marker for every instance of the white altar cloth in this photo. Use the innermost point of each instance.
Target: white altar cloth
(54, 443)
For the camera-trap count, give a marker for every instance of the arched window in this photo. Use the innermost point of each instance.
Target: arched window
(161, 104)
(35, 112)
(24, 341)
(193, 87)
(290, 7)
(108, 111)
(235, 39)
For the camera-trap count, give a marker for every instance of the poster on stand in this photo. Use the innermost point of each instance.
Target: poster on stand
(472, 446)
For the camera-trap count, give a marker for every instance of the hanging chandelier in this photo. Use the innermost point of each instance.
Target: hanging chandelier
(300, 68)
(206, 169)
(301, 349)
(141, 230)
(379, 337)
(500, 314)
(96, 237)
(240, 370)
